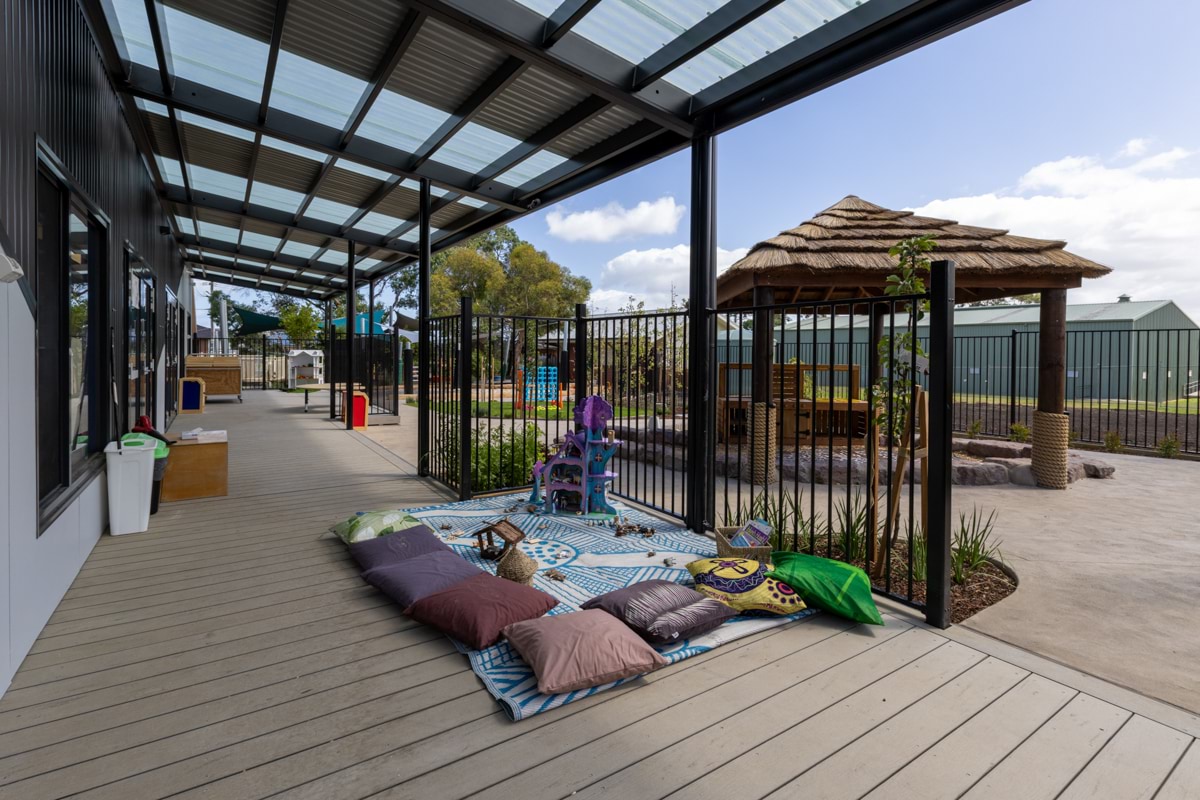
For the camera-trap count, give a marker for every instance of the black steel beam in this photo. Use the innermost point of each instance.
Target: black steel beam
(517, 31)
(235, 250)
(241, 113)
(860, 39)
(249, 284)
(589, 159)
(423, 314)
(582, 113)
(568, 13)
(272, 216)
(351, 325)
(695, 40)
(499, 80)
(281, 7)
(401, 39)
(702, 297)
(162, 44)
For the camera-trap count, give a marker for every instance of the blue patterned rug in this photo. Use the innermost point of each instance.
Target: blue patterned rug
(594, 561)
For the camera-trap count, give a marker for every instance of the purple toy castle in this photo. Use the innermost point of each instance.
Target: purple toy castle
(576, 477)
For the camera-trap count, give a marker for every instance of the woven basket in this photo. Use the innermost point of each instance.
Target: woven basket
(516, 566)
(727, 550)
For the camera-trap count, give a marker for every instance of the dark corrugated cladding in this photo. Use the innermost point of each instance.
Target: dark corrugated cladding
(54, 87)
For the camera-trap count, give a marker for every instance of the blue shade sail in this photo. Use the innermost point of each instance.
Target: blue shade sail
(298, 249)
(314, 91)
(210, 181)
(214, 56)
(775, 29)
(536, 165)
(329, 210)
(400, 122)
(265, 194)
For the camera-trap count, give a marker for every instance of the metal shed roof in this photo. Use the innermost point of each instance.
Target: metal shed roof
(1025, 314)
(280, 132)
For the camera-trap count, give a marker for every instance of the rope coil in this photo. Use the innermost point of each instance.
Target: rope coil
(1051, 435)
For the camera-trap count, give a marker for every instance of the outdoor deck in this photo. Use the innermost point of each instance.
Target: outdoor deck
(231, 652)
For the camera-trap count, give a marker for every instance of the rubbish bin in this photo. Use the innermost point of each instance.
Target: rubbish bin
(161, 453)
(130, 477)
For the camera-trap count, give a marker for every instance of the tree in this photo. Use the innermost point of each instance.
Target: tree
(299, 322)
(214, 311)
(536, 286)
(1016, 300)
(464, 270)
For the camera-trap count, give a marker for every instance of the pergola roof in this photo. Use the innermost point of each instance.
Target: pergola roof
(280, 133)
(843, 253)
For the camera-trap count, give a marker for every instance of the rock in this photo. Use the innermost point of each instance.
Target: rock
(965, 472)
(1075, 469)
(1095, 468)
(1020, 470)
(998, 448)
(960, 445)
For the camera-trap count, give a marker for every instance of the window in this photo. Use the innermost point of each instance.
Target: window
(140, 327)
(67, 282)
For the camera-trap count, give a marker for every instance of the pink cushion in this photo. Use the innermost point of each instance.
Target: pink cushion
(475, 610)
(574, 651)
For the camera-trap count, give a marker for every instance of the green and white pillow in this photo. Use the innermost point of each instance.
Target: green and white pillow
(370, 524)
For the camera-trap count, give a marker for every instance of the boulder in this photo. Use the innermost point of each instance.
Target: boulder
(1094, 467)
(1020, 470)
(960, 445)
(965, 472)
(999, 448)
(1075, 469)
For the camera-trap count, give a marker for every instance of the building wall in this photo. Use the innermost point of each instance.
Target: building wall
(53, 88)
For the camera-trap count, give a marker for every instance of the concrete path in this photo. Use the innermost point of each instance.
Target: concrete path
(1110, 574)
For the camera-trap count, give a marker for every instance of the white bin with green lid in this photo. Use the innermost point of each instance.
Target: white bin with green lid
(130, 480)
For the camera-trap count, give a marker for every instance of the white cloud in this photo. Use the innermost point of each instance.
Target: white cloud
(1142, 219)
(651, 276)
(613, 221)
(1135, 147)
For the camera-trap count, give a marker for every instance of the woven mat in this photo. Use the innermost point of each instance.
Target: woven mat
(594, 562)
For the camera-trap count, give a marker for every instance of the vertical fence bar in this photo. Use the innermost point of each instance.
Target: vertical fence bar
(423, 290)
(581, 365)
(702, 298)
(465, 341)
(395, 360)
(941, 417)
(351, 322)
(330, 341)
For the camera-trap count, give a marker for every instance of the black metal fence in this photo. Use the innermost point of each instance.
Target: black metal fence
(1133, 389)
(820, 443)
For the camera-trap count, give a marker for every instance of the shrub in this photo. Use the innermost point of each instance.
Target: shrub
(1018, 432)
(1112, 442)
(1168, 446)
(918, 546)
(974, 429)
(851, 519)
(971, 544)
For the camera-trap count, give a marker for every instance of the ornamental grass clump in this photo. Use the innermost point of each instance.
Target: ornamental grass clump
(972, 544)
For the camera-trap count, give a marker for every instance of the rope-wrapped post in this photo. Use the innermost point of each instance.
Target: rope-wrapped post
(764, 443)
(1051, 435)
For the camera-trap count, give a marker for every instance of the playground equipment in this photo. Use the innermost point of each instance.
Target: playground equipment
(575, 477)
(543, 388)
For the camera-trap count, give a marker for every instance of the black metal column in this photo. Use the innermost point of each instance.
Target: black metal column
(465, 400)
(702, 299)
(581, 365)
(424, 267)
(370, 342)
(878, 313)
(330, 342)
(941, 425)
(395, 357)
(351, 321)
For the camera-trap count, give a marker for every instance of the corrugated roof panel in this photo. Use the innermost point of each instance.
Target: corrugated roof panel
(216, 150)
(259, 240)
(285, 170)
(215, 56)
(543, 7)
(277, 197)
(349, 36)
(265, 228)
(329, 210)
(221, 233)
(612, 121)
(447, 216)
(253, 18)
(531, 103)
(474, 147)
(633, 29)
(346, 187)
(298, 249)
(314, 91)
(218, 217)
(442, 67)
(158, 128)
(401, 202)
(400, 121)
(195, 120)
(361, 169)
(133, 27)
(211, 181)
(382, 224)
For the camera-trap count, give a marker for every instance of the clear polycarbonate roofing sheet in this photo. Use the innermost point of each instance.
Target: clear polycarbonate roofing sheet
(220, 233)
(200, 121)
(375, 222)
(329, 210)
(298, 249)
(133, 29)
(530, 169)
(264, 194)
(260, 241)
(634, 29)
(220, 183)
(400, 122)
(215, 56)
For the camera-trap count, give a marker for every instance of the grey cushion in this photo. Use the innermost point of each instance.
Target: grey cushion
(393, 547)
(663, 611)
(409, 580)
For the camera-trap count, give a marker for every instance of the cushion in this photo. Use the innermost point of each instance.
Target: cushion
(369, 524)
(384, 550)
(569, 652)
(476, 610)
(408, 581)
(743, 584)
(663, 611)
(835, 586)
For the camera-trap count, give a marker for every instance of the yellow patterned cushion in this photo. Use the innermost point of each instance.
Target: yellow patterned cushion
(743, 585)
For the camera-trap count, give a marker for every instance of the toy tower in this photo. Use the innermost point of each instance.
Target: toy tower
(576, 477)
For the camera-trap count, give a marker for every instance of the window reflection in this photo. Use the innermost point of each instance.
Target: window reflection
(77, 330)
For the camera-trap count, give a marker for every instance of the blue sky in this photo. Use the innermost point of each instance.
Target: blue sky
(1069, 83)
(1062, 119)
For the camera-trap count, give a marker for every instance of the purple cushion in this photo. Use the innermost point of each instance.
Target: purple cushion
(393, 547)
(409, 580)
(476, 610)
(663, 611)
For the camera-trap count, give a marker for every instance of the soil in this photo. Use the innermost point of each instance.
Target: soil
(1137, 427)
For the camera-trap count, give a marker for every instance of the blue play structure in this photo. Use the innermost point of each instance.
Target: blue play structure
(576, 476)
(544, 386)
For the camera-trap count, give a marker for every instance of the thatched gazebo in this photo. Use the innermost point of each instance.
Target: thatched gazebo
(842, 254)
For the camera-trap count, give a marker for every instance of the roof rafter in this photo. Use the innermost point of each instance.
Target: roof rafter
(401, 39)
(582, 113)
(565, 17)
(234, 277)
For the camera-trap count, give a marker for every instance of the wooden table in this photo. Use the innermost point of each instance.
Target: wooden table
(196, 469)
(222, 374)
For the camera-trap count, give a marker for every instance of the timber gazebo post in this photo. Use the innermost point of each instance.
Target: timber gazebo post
(1051, 425)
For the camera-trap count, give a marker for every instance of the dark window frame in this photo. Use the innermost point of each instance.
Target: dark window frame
(76, 471)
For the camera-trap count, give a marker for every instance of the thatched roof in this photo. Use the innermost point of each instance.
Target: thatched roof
(843, 252)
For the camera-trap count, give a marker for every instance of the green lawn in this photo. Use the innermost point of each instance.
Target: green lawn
(1186, 405)
(506, 410)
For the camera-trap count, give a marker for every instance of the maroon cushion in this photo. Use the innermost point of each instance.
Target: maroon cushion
(476, 610)
(663, 611)
(384, 550)
(409, 580)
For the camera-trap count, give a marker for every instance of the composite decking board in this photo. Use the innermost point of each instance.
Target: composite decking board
(338, 695)
(665, 705)
(908, 666)
(1184, 781)
(356, 763)
(953, 765)
(1133, 765)
(148, 686)
(1045, 763)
